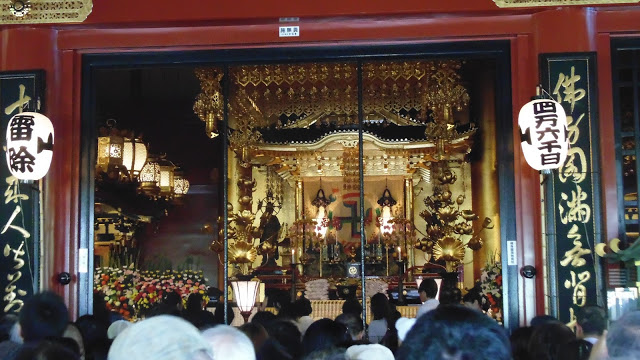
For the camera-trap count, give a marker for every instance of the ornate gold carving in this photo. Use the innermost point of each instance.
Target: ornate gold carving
(44, 11)
(535, 3)
(209, 105)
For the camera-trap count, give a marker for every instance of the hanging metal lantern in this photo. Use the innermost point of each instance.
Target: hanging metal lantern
(180, 184)
(165, 181)
(134, 156)
(110, 151)
(149, 176)
(543, 126)
(29, 145)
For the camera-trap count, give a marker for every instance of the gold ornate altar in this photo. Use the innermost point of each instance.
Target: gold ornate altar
(295, 168)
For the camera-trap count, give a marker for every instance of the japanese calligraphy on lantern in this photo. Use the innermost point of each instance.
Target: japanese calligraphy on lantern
(543, 125)
(19, 94)
(573, 190)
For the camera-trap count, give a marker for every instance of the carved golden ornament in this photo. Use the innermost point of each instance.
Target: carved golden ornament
(475, 243)
(449, 249)
(444, 89)
(44, 11)
(266, 248)
(536, 3)
(242, 252)
(209, 105)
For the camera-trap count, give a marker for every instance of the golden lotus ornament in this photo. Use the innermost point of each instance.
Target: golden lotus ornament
(242, 252)
(449, 249)
(448, 214)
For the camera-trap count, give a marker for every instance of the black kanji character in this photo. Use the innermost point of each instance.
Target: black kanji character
(21, 160)
(544, 107)
(21, 127)
(547, 159)
(552, 131)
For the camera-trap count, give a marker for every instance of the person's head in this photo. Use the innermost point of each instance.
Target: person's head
(542, 319)
(520, 342)
(473, 298)
(218, 315)
(161, 337)
(118, 327)
(331, 353)
(54, 348)
(592, 320)
(578, 349)
(256, 333)
(195, 303)
(353, 324)
(428, 289)
(172, 302)
(303, 307)
(547, 338)
(8, 324)
(288, 311)
(369, 352)
(263, 318)
(43, 315)
(286, 334)
(227, 342)
(352, 306)
(323, 334)
(455, 332)
(94, 331)
(623, 338)
(380, 306)
(73, 332)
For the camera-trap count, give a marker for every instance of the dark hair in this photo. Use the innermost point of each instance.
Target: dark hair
(592, 319)
(288, 311)
(430, 287)
(332, 353)
(43, 315)
(352, 306)
(455, 332)
(7, 323)
(194, 303)
(520, 342)
(218, 316)
(287, 334)
(623, 337)
(542, 319)
(352, 322)
(578, 349)
(547, 338)
(50, 349)
(94, 335)
(322, 334)
(380, 306)
(273, 350)
(303, 307)
(256, 333)
(263, 318)
(172, 298)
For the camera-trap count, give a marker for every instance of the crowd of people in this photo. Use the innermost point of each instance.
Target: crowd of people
(42, 331)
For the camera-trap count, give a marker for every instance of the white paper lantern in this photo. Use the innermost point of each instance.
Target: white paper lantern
(543, 125)
(29, 145)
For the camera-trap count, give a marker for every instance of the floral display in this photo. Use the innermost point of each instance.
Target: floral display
(132, 292)
(491, 285)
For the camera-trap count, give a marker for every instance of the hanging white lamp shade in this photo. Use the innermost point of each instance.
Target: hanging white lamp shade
(29, 145)
(543, 127)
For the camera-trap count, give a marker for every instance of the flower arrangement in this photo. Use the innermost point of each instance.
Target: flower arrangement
(491, 285)
(132, 292)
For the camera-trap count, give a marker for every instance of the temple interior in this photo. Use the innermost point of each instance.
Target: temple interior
(390, 164)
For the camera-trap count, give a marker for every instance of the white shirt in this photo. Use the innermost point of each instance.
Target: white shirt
(427, 306)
